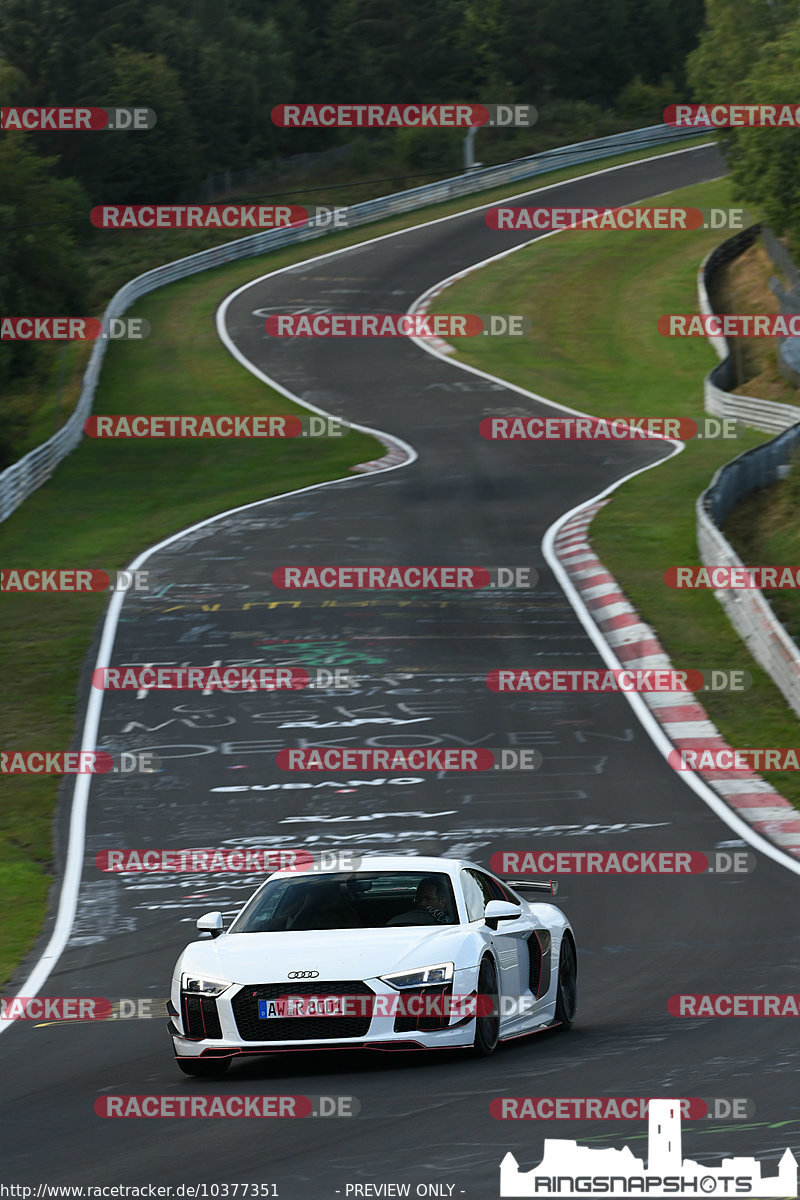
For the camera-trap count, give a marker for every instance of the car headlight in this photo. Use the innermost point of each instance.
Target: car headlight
(423, 977)
(200, 985)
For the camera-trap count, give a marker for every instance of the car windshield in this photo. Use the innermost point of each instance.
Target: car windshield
(362, 900)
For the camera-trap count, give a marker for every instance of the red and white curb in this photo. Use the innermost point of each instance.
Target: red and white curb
(682, 717)
(437, 343)
(394, 456)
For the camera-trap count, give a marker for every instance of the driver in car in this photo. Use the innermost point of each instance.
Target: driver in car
(430, 905)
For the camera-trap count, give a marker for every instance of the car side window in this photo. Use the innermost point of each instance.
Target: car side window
(473, 895)
(498, 892)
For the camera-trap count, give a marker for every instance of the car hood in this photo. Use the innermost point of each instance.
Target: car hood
(335, 954)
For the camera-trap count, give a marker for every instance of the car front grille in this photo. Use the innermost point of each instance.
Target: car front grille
(200, 1016)
(253, 1028)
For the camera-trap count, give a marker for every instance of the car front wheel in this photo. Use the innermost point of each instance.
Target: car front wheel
(204, 1068)
(487, 1025)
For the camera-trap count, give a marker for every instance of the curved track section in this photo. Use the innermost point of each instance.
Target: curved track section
(603, 785)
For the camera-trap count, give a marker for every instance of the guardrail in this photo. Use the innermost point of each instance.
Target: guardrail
(22, 478)
(747, 609)
(768, 415)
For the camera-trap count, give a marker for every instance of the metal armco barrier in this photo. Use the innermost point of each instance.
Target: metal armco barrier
(748, 610)
(22, 478)
(768, 415)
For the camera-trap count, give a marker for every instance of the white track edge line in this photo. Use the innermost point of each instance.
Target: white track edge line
(70, 884)
(646, 718)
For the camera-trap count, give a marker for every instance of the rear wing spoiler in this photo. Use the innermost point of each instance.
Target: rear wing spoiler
(534, 885)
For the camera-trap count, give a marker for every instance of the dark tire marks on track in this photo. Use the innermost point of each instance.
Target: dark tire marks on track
(603, 785)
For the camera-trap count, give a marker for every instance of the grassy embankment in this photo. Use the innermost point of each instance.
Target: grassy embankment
(593, 299)
(108, 501)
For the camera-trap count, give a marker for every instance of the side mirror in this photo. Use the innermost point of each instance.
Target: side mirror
(500, 910)
(211, 923)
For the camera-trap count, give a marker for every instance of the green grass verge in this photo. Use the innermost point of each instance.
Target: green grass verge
(593, 299)
(32, 408)
(110, 500)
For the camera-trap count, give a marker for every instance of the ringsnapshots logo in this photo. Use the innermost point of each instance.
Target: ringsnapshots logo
(567, 1169)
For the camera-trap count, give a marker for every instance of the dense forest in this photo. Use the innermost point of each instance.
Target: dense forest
(213, 71)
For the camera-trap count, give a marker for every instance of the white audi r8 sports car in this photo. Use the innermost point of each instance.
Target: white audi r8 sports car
(399, 953)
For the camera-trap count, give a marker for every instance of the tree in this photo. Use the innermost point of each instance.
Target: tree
(765, 162)
(42, 271)
(137, 165)
(736, 31)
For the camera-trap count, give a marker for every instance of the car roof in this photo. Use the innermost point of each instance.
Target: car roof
(387, 862)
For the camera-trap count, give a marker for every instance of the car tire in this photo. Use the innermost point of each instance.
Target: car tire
(567, 987)
(487, 1027)
(204, 1068)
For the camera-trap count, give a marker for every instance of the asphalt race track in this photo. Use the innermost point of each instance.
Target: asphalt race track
(423, 656)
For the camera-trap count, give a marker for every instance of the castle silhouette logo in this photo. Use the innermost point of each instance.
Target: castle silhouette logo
(568, 1169)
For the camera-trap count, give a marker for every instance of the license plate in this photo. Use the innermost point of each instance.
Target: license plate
(285, 1007)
